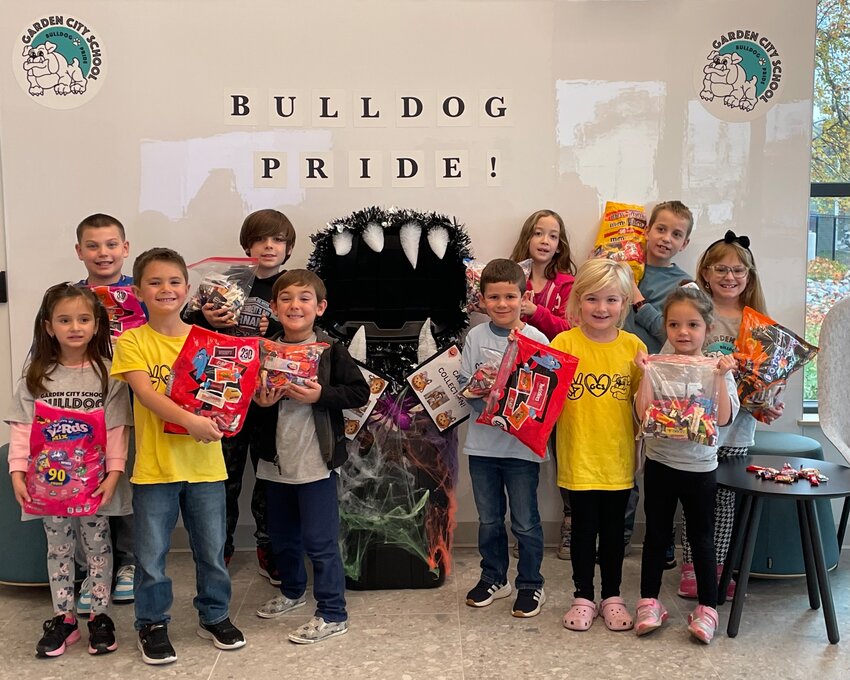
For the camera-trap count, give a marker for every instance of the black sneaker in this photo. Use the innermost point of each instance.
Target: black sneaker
(528, 602)
(101, 635)
(57, 634)
(670, 557)
(154, 644)
(484, 593)
(223, 634)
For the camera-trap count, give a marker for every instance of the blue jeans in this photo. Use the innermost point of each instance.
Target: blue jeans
(304, 518)
(491, 478)
(155, 507)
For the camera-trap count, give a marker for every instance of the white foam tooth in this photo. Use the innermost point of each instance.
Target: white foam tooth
(438, 239)
(373, 236)
(409, 236)
(343, 241)
(427, 345)
(357, 348)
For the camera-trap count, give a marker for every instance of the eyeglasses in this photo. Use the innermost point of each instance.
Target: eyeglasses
(739, 271)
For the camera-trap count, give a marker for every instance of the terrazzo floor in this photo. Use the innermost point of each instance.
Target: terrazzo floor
(432, 634)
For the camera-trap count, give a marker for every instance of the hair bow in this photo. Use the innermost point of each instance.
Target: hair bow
(743, 241)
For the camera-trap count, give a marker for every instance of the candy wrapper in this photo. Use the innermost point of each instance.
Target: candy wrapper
(767, 354)
(123, 308)
(67, 461)
(482, 381)
(529, 392)
(622, 236)
(473, 281)
(214, 375)
(282, 363)
(684, 398)
(224, 282)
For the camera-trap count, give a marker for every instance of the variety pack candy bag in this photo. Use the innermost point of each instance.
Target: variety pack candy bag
(684, 398)
(281, 363)
(67, 461)
(214, 375)
(767, 354)
(123, 308)
(529, 392)
(224, 282)
(622, 236)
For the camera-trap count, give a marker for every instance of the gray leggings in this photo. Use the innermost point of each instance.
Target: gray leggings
(92, 532)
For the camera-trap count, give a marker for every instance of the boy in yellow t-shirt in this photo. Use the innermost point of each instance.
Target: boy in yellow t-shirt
(172, 473)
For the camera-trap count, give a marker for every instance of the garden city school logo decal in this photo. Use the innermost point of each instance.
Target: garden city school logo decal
(59, 61)
(740, 76)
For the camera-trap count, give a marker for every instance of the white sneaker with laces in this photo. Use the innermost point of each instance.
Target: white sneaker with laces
(123, 590)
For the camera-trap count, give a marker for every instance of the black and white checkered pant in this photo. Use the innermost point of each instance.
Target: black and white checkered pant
(724, 515)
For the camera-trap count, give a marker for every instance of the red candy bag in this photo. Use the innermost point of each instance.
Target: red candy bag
(767, 354)
(684, 398)
(529, 392)
(123, 308)
(214, 375)
(283, 363)
(67, 461)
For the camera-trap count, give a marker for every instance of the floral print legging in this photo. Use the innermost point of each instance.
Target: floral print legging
(62, 536)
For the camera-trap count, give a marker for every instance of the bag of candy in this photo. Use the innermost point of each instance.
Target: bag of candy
(123, 308)
(281, 363)
(481, 382)
(222, 281)
(529, 393)
(684, 398)
(214, 375)
(622, 236)
(67, 461)
(767, 354)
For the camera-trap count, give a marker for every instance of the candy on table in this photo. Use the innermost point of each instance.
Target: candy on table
(789, 474)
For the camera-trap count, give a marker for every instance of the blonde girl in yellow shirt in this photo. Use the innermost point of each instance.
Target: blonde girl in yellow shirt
(596, 437)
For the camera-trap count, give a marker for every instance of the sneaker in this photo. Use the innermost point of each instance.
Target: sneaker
(154, 644)
(566, 537)
(317, 629)
(123, 590)
(223, 634)
(702, 623)
(730, 589)
(266, 565)
(58, 632)
(528, 602)
(484, 593)
(670, 557)
(688, 582)
(84, 598)
(101, 635)
(280, 605)
(650, 615)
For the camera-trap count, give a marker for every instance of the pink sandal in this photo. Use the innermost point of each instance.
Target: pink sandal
(580, 615)
(613, 611)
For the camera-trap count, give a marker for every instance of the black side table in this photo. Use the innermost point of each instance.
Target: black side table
(732, 474)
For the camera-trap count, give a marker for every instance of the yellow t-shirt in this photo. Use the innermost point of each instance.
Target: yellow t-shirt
(596, 432)
(162, 458)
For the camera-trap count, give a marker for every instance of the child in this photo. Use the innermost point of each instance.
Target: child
(668, 234)
(499, 463)
(173, 473)
(102, 247)
(70, 359)
(544, 239)
(268, 236)
(683, 471)
(727, 272)
(595, 436)
(305, 443)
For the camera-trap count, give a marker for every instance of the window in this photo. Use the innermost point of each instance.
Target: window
(828, 270)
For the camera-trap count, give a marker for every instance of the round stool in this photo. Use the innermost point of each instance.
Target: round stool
(23, 545)
(778, 553)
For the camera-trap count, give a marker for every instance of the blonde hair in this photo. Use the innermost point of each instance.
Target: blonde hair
(678, 209)
(753, 296)
(594, 275)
